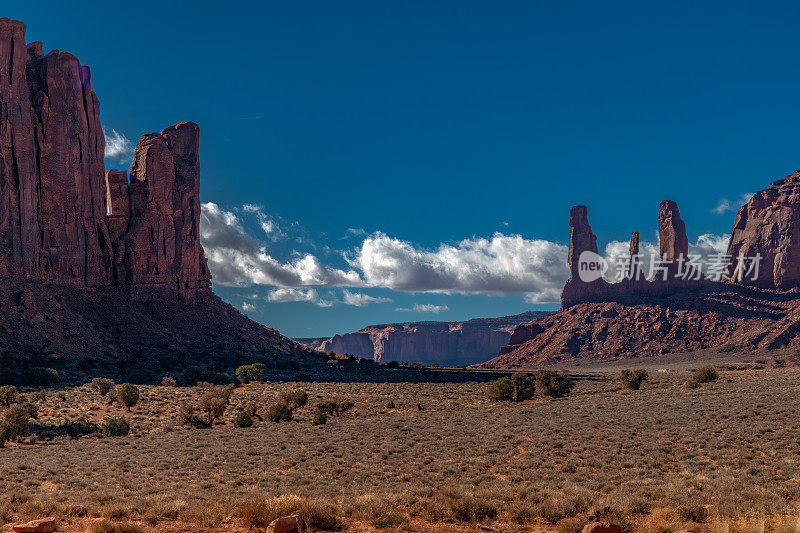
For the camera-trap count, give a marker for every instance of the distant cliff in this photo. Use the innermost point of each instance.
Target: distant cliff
(443, 343)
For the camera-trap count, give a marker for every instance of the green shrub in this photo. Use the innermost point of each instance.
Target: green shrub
(253, 372)
(335, 407)
(242, 420)
(40, 376)
(6, 433)
(501, 390)
(78, 428)
(127, 395)
(102, 386)
(517, 388)
(18, 418)
(197, 374)
(704, 374)
(8, 395)
(279, 412)
(633, 379)
(116, 426)
(38, 396)
(214, 399)
(294, 398)
(187, 416)
(391, 405)
(553, 384)
(169, 381)
(320, 418)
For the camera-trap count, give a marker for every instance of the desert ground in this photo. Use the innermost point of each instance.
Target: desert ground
(425, 456)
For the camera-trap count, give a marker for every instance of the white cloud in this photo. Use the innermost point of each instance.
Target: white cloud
(546, 296)
(297, 295)
(724, 205)
(247, 307)
(709, 244)
(118, 146)
(502, 264)
(425, 308)
(356, 231)
(268, 225)
(237, 259)
(358, 299)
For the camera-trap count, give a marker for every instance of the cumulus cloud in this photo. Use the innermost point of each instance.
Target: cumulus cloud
(297, 295)
(118, 146)
(502, 264)
(425, 308)
(247, 307)
(358, 299)
(238, 259)
(724, 205)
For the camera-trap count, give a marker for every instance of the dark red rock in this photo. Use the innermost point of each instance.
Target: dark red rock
(673, 243)
(287, 524)
(581, 239)
(162, 243)
(769, 225)
(43, 525)
(63, 220)
(635, 273)
(117, 202)
(525, 332)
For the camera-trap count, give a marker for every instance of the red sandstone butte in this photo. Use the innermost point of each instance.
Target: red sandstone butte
(63, 219)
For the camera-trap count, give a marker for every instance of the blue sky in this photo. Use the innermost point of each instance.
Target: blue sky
(425, 155)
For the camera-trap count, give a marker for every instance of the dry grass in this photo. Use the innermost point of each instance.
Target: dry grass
(662, 458)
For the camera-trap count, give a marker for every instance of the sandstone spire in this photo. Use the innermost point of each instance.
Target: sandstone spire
(634, 269)
(581, 239)
(673, 244)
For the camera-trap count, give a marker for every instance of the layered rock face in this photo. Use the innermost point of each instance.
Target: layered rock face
(443, 343)
(62, 219)
(768, 226)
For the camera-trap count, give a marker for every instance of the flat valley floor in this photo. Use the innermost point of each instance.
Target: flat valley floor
(429, 456)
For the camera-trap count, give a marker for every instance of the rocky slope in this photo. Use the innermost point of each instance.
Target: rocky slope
(443, 343)
(723, 316)
(746, 311)
(104, 266)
